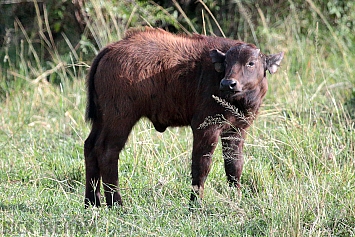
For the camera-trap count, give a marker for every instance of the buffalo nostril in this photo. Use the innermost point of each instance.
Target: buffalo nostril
(232, 85)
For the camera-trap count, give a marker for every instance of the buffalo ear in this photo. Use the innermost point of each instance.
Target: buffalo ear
(218, 59)
(273, 62)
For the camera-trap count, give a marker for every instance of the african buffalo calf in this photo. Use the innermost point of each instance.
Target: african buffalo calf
(212, 84)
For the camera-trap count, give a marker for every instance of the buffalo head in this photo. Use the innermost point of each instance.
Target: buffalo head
(244, 67)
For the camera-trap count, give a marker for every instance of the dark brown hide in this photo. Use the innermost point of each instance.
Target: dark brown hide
(173, 80)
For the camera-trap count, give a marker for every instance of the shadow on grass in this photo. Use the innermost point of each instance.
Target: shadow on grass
(11, 207)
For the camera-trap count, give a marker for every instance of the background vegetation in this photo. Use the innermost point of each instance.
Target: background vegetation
(298, 178)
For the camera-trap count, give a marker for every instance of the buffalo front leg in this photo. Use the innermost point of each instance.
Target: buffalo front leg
(232, 147)
(204, 145)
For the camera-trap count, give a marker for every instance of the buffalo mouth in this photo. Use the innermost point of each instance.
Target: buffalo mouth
(231, 94)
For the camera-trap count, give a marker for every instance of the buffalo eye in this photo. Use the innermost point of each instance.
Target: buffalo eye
(251, 64)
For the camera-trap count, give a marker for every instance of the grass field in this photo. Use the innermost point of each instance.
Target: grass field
(299, 173)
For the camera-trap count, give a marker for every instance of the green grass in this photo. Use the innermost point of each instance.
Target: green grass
(299, 173)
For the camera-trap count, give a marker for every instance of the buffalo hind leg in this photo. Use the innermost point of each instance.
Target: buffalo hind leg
(113, 141)
(109, 172)
(232, 147)
(204, 144)
(92, 185)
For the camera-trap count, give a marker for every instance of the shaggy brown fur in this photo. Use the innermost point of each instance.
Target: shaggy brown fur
(173, 80)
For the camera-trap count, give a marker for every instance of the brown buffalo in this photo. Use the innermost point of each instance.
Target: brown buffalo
(212, 84)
